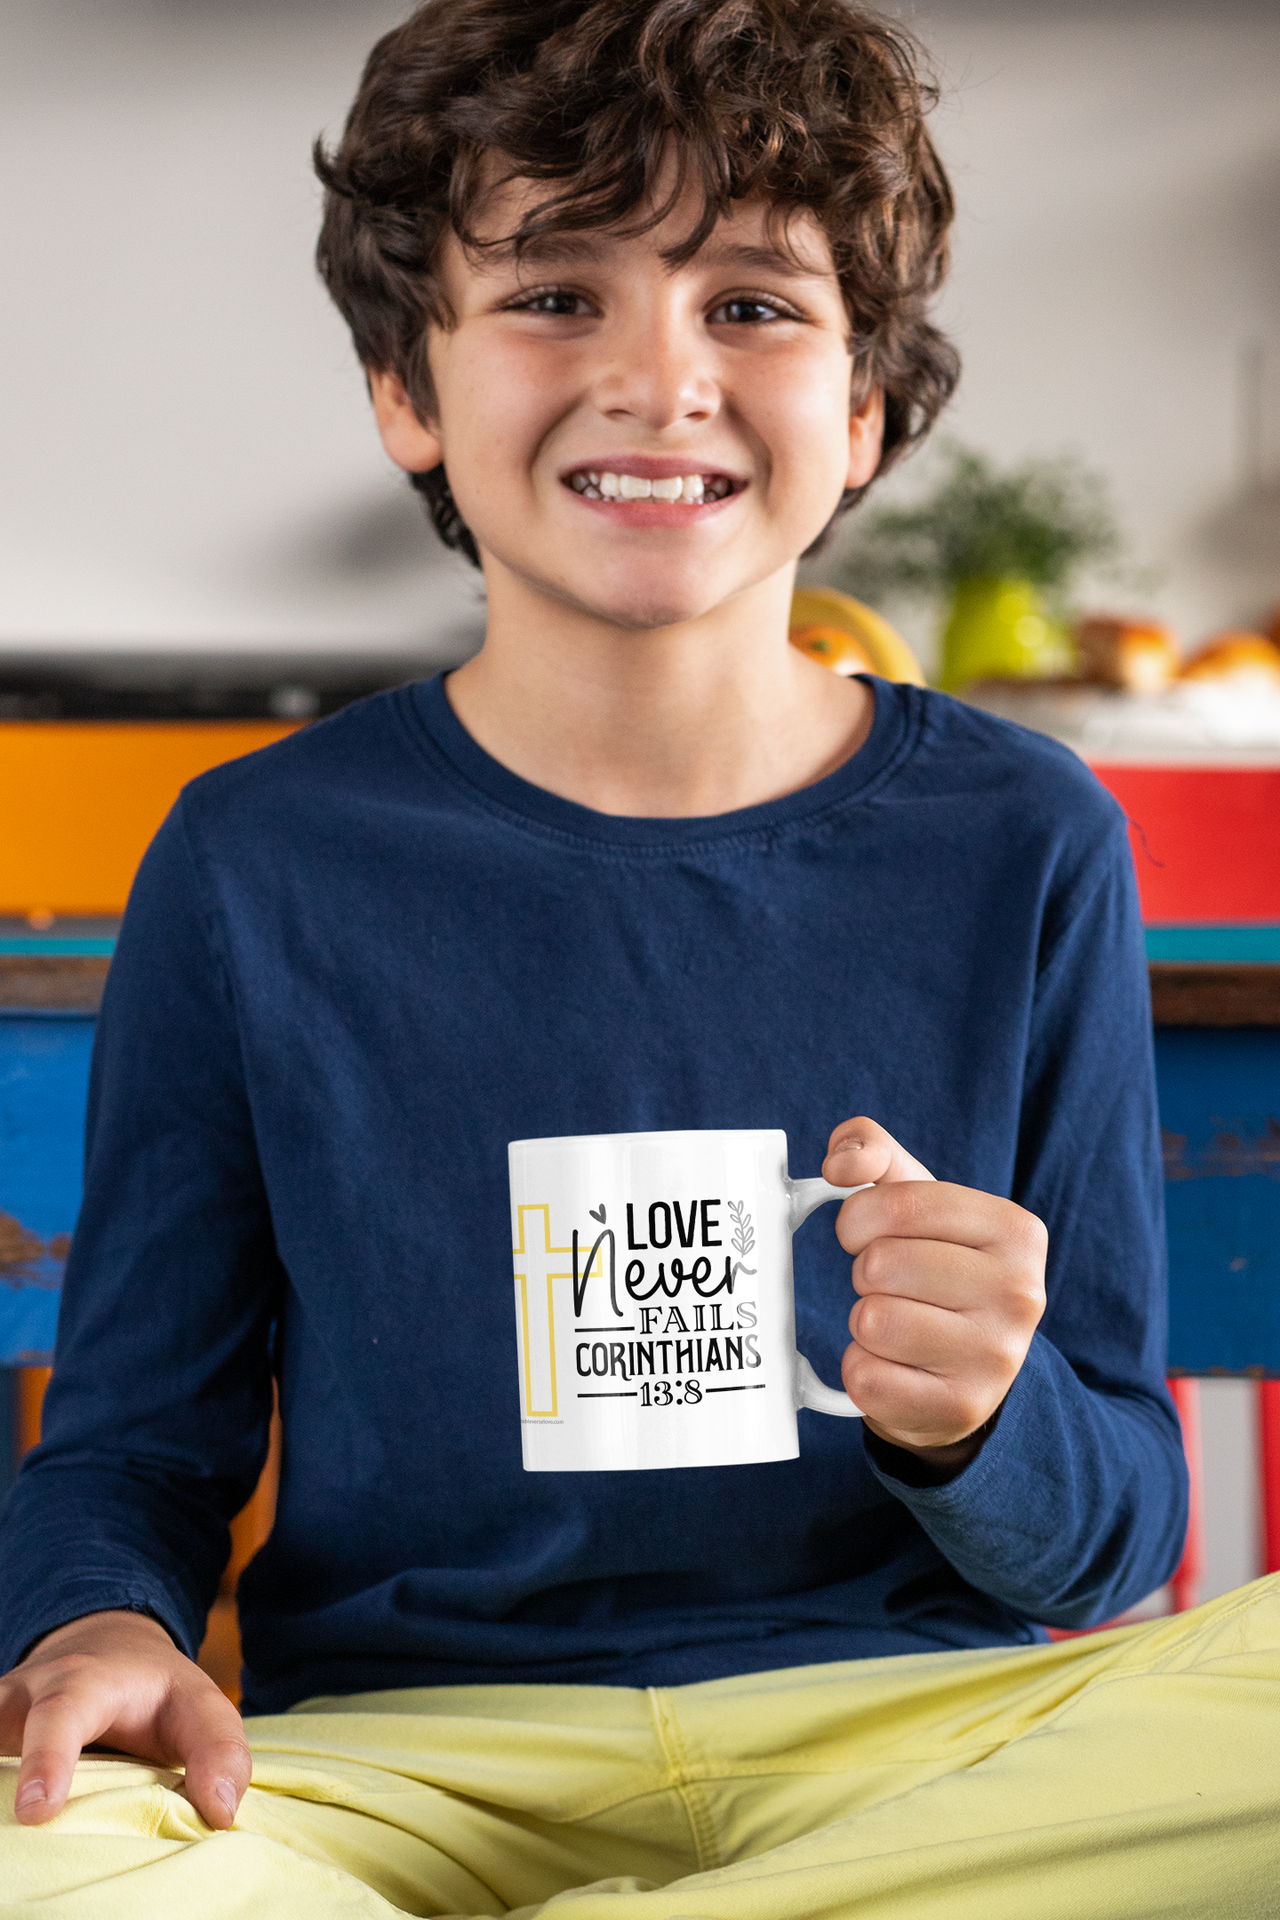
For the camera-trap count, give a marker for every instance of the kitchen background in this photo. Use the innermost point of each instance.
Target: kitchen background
(188, 460)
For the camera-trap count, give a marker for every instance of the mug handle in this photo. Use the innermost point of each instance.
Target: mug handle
(803, 1198)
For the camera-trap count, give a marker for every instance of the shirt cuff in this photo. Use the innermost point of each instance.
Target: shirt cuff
(72, 1600)
(934, 1494)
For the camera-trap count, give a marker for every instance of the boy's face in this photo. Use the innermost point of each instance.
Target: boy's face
(591, 358)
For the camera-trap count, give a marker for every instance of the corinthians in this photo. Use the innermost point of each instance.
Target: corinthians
(638, 1359)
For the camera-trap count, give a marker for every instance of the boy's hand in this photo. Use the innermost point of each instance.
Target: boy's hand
(950, 1286)
(118, 1679)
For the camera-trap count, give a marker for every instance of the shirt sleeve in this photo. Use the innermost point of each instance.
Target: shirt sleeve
(156, 1419)
(1076, 1505)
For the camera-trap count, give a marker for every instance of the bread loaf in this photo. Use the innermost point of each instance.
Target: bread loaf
(1139, 655)
(1243, 659)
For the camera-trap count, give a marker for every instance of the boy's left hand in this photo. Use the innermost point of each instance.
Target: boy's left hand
(950, 1286)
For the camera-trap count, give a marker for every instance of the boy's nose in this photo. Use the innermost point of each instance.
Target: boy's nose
(657, 377)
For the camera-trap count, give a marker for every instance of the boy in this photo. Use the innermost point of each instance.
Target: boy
(637, 865)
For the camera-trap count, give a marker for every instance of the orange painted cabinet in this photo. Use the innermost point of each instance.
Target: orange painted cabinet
(81, 799)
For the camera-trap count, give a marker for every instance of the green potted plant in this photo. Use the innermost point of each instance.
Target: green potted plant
(1002, 547)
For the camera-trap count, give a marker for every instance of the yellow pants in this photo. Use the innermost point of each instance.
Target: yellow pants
(1134, 1772)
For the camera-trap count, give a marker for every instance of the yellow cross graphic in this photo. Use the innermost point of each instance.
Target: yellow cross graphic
(536, 1267)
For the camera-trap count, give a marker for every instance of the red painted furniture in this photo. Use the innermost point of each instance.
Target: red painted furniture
(1206, 841)
(1206, 850)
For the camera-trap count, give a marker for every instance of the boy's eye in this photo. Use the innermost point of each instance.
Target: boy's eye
(558, 301)
(748, 310)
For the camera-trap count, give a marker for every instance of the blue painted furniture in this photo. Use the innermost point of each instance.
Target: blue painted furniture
(1216, 1000)
(1254, 945)
(49, 990)
(44, 1075)
(1220, 1117)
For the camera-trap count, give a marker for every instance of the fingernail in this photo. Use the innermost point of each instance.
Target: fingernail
(33, 1791)
(227, 1794)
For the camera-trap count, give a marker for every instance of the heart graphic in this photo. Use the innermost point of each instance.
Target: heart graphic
(597, 1216)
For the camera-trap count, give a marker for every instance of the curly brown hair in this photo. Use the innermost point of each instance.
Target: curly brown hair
(812, 104)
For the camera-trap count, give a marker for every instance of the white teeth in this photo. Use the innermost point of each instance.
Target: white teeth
(689, 487)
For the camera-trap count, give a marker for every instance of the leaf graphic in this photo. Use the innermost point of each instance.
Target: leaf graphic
(743, 1233)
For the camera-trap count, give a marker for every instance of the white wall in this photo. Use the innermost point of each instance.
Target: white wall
(1116, 288)
(187, 453)
(189, 457)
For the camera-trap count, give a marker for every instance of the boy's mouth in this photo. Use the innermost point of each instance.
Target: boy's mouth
(686, 489)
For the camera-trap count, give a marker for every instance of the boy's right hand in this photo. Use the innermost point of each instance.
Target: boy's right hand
(118, 1679)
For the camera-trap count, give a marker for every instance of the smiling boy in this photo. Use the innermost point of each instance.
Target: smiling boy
(640, 289)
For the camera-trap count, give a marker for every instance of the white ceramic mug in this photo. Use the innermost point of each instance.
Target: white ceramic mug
(655, 1304)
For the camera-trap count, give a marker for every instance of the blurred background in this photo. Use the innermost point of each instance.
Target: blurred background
(189, 460)
(190, 470)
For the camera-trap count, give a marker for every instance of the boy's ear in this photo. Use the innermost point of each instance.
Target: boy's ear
(866, 435)
(410, 444)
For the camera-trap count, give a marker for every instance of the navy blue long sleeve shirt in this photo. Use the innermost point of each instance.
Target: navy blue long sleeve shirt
(356, 965)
